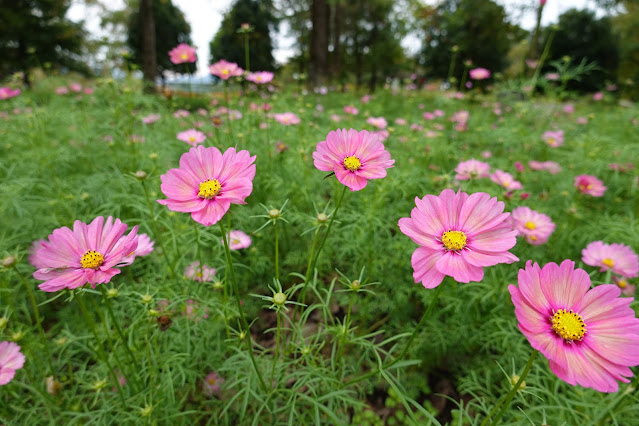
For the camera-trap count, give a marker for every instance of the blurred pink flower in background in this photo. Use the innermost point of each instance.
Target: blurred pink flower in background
(590, 185)
(619, 258)
(192, 137)
(195, 273)
(597, 96)
(182, 53)
(151, 118)
(287, 118)
(62, 90)
(211, 384)
(261, 77)
(549, 166)
(225, 70)
(552, 76)
(535, 227)
(479, 74)
(506, 180)
(238, 240)
(472, 169)
(75, 87)
(11, 359)
(350, 109)
(553, 138)
(379, 122)
(7, 92)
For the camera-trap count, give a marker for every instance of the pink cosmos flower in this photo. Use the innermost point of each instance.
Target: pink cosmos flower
(479, 74)
(195, 273)
(429, 116)
(506, 180)
(8, 92)
(582, 120)
(627, 289)
(597, 96)
(145, 246)
(211, 384)
(181, 113)
(238, 240)
(552, 76)
(553, 138)
(350, 109)
(590, 185)
(401, 121)
(549, 166)
(88, 90)
(460, 117)
(472, 169)
(535, 227)
(87, 254)
(287, 118)
(486, 154)
(192, 137)
(182, 54)
(354, 157)
(151, 118)
(365, 99)
(619, 258)
(590, 337)
(569, 108)
(439, 113)
(62, 90)
(458, 235)
(379, 122)
(75, 87)
(207, 182)
(262, 77)
(11, 359)
(225, 70)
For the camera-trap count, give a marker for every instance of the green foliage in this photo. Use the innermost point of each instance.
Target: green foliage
(625, 26)
(171, 29)
(228, 44)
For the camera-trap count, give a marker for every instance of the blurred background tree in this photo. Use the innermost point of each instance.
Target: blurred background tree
(36, 33)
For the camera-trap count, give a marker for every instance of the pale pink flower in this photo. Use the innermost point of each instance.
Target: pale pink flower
(535, 227)
(479, 74)
(619, 258)
(458, 235)
(193, 310)
(287, 118)
(203, 274)
(506, 180)
(192, 137)
(569, 108)
(87, 254)
(401, 121)
(75, 87)
(379, 122)
(382, 135)
(211, 384)
(238, 240)
(151, 118)
(262, 77)
(336, 118)
(553, 138)
(429, 116)
(225, 70)
(582, 120)
(552, 76)
(549, 166)
(460, 117)
(349, 109)
(590, 185)
(182, 54)
(11, 359)
(62, 90)
(439, 113)
(365, 99)
(416, 127)
(486, 154)
(597, 96)
(207, 182)
(181, 113)
(88, 90)
(354, 157)
(472, 169)
(627, 289)
(589, 336)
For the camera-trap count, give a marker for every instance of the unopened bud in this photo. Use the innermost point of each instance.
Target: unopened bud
(217, 285)
(146, 411)
(147, 298)
(9, 261)
(53, 386)
(112, 293)
(514, 379)
(99, 385)
(3, 322)
(274, 213)
(279, 298)
(140, 175)
(356, 285)
(322, 217)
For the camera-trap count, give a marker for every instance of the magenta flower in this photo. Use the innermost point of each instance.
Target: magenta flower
(506, 180)
(225, 70)
(182, 54)
(535, 227)
(619, 258)
(549, 166)
(379, 122)
(238, 240)
(590, 337)
(207, 182)
(479, 74)
(472, 169)
(211, 384)
(192, 137)
(553, 138)
(87, 254)
(354, 157)
(75, 87)
(8, 92)
(590, 185)
(458, 234)
(262, 77)
(287, 118)
(11, 359)
(203, 274)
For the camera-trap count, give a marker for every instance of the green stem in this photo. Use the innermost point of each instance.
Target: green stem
(347, 322)
(198, 252)
(451, 67)
(156, 234)
(277, 345)
(543, 58)
(245, 327)
(246, 52)
(408, 344)
(509, 397)
(277, 254)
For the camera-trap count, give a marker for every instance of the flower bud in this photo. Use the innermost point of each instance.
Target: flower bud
(279, 298)
(274, 213)
(322, 217)
(513, 381)
(147, 298)
(356, 285)
(140, 175)
(3, 322)
(9, 261)
(112, 293)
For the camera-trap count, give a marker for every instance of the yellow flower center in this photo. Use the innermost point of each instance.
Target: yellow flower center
(551, 141)
(209, 189)
(569, 325)
(608, 262)
(622, 284)
(352, 163)
(258, 78)
(212, 381)
(184, 56)
(225, 72)
(454, 240)
(92, 260)
(192, 138)
(530, 225)
(235, 241)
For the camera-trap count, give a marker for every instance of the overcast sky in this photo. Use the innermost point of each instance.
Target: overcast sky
(205, 17)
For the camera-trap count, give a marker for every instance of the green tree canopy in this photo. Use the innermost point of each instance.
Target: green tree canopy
(36, 32)
(229, 45)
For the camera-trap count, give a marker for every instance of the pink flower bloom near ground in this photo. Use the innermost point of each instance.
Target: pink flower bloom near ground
(458, 235)
(354, 157)
(238, 240)
(11, 359)
(535, 227)
(619, 258)
(506, 180)
(194, 273)
(225, 70)
(287, 118)
(590, 185)
(349, 109)
(379, 122)
(7, 92)
(626, 288)
(182, 53)
(472, 169)
(192, 137)
(144, 248)
(87, 254)
(590, 337)
(479, 74)
(549, 166)
(553, 138)
(262, 77)
(181, 113)
(211, 384)
(151, 118)
(62, 90)
(207, 182)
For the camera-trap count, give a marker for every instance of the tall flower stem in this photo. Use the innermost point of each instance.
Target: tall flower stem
(277, 345)
(346, 327)
(544, 55)
(277, 254)
(100, 350)
(245, 327)
(509, 397)
(154, 225)
(198, 250)
(433, 302)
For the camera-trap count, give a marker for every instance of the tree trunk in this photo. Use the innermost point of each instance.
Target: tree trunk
(337, 33)
(149, 58)
(318, 67)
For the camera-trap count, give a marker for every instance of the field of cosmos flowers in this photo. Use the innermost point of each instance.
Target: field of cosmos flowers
(412, 256)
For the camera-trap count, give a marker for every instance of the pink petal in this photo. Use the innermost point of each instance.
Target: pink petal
(423, 261)
(454, 265)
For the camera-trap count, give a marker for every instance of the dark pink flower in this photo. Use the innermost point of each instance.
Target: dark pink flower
(590, 185)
